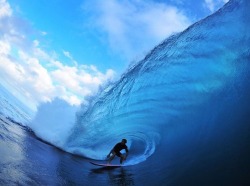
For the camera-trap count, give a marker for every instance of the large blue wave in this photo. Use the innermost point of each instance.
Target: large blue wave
(193, 86)
(184, 109)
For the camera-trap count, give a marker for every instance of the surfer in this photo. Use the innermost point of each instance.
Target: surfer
(116, 151)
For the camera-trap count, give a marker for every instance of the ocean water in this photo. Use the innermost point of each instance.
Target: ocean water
(184, 110)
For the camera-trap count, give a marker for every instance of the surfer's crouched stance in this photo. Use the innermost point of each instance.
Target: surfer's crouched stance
(116, 151)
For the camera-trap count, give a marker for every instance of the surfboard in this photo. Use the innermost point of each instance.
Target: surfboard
(104, 165)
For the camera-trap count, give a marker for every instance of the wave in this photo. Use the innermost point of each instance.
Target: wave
(190, 92)
(188, 80)
(184, 110)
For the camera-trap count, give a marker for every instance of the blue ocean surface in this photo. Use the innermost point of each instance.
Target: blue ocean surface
(184, 110)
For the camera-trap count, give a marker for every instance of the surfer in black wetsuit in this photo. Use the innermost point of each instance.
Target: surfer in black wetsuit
(116, 151)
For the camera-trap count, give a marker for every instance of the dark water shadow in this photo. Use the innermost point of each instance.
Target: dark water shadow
(114, 175)
(103, 169)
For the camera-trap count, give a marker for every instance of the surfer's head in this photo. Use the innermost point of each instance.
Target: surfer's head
(124, 141)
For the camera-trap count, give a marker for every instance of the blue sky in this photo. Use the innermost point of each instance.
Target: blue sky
(67, 49)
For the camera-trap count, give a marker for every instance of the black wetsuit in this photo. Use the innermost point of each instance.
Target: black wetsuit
(118, 147)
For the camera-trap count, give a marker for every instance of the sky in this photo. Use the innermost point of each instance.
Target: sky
(68, 49)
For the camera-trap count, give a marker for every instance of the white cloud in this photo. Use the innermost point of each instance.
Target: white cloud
(67, 54)
(37, 83)
(26, 77)
(5, 9)
(4, 48)
(213, 5)
(11, 28)
(135, 26)
(34, 75)
(36, 43)
(43, 33)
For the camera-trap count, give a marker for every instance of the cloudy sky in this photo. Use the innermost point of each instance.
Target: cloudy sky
(67, 49)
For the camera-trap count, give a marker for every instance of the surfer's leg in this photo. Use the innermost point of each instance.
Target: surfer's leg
(121, 159)
(111, 158)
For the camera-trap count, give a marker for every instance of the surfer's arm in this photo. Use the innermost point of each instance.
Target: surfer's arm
(126, 155)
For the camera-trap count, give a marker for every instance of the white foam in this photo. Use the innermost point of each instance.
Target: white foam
(54, 121)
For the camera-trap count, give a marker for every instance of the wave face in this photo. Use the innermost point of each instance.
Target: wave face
(188, 95)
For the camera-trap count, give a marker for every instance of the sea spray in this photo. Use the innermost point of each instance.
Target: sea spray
(54, 121)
